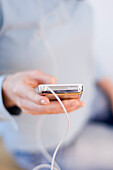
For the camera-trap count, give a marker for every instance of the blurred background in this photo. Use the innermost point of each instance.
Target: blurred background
(100, 142)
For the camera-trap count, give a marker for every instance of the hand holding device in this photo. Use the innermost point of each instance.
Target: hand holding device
(19, 89)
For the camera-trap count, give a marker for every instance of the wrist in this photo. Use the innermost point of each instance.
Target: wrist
(6, 97)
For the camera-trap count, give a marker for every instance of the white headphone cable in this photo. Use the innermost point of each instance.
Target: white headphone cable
(42, 148)
(60, 143)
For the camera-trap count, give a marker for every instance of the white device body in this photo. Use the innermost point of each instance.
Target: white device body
(64, 91)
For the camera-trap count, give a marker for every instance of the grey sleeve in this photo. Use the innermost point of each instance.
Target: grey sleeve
(1, 17)
(4, 114)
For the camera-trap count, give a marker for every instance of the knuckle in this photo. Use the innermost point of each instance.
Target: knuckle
(36, 72)
(15, 90)
(20, 104)
(28, 94)
(36, 98)
(24, 79)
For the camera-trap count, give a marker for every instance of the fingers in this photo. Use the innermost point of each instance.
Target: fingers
(28, 93)
(42, 77)
(53, 108)
(30, 81)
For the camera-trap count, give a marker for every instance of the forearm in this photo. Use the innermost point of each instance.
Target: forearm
(6, 100)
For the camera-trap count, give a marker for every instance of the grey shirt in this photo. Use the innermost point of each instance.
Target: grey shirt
(55, 37)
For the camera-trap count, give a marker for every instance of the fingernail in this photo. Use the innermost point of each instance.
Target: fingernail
(43, 102)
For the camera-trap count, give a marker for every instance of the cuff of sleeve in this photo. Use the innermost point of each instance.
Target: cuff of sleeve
(4, 114)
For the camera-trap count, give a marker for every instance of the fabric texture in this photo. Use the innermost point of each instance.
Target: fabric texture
(55, 37)
(94, 154)
(4, 114)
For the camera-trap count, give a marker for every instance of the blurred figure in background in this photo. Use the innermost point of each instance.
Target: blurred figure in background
(103, 56)
(97, 138)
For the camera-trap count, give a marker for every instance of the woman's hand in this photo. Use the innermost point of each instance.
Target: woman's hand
(19, 89)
